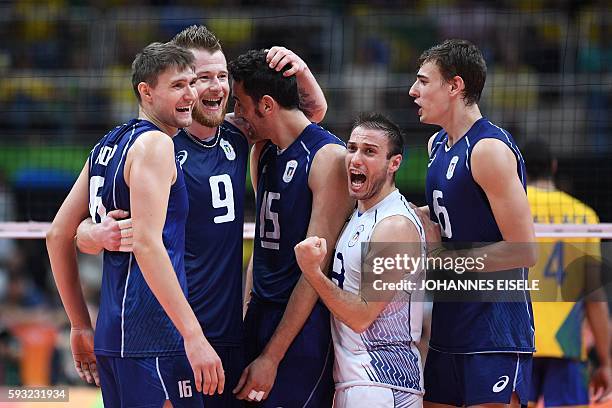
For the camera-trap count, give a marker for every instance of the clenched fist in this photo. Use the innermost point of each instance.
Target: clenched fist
(310, 253)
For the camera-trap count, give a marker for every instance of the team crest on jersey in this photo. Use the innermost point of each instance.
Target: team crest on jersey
(227, 149)
(451, 167)
(290, 170)
(182, 157)
(355, 236)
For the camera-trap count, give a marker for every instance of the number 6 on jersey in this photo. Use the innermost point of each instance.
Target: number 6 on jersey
(442, 214)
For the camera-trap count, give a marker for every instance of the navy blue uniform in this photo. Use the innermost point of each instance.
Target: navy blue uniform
(284, 204)
(132, 328)
(461, 208)
(215, 174)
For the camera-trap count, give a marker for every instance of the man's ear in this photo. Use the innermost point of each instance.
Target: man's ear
(457, 86)
(394, 163)
(267, 105)
(145, 91)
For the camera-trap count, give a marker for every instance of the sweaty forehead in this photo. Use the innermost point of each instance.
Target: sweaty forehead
(206, 61)
(173, 74)
(429, 69)
(365, 135)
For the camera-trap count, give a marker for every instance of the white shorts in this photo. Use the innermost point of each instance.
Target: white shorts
(371, 396)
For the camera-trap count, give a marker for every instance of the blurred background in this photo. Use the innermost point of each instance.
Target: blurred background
(65, 81)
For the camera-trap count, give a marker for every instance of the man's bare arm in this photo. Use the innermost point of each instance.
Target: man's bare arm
(63, 259)
(494, 169)
(331, 206)
(110, 234)
(352, 309)
(312, 99)
(84, 238)
(150, 171)
(62, 252)
(599, 321)
(423, 211)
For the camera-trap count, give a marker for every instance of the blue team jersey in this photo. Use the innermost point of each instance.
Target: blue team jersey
(215, 174)
(463, 211)
(131, 322)
(284, 203)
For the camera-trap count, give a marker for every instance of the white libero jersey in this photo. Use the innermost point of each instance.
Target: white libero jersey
(385, 354)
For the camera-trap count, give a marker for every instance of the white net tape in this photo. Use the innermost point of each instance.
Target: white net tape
(37, 230)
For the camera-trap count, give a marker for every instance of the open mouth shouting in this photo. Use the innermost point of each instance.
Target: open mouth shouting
(420, 110)
(358, 179)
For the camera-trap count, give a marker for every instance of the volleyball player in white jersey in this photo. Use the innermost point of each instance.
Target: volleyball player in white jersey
(377, 363)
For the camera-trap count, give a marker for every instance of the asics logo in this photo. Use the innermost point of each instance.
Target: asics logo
(182, 157)
(501, 384)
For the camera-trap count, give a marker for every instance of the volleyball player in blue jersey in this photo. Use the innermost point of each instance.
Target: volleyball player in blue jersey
(480, 352)
(301, 191)
(146, 335)
(213, 153)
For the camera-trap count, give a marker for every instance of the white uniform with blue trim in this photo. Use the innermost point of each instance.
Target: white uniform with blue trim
(385, 354)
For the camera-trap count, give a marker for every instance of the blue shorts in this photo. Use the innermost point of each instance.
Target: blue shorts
(304, 377)
(232, 358)
(560, 381)
(471, 379)
(147, 382)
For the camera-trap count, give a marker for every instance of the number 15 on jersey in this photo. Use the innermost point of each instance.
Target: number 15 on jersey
(267, 237)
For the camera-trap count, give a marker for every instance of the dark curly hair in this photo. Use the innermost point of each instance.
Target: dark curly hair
(258, 79)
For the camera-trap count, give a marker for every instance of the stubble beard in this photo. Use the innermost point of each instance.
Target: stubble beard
(207, 120)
